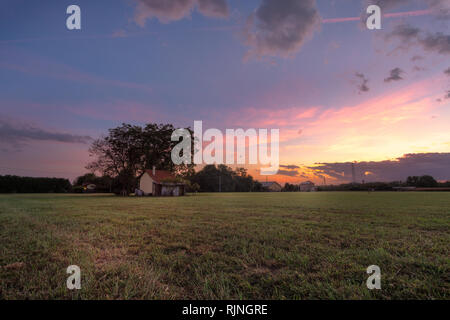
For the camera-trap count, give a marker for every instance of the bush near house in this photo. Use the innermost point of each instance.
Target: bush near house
(102, 184)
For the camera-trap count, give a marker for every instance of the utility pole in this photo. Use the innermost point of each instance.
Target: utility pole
(220, 183)
(353, 173)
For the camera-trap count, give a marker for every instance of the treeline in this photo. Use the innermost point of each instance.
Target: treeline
(222, 178)
(425, 181)
(422, 182)
(375, 186)
(16, 184)
(210, 178)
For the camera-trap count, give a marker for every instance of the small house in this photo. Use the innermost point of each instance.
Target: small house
(272, 186)
(160, 183)
(307, 186)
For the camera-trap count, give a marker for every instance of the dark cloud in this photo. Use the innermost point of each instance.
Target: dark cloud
(447, 71)
(394, 75)
(447, 95)
(416, 58)
(319, 172)
(290, 166)
(289, 173)
(15, 134)
(362, 87)
(213, 8)
(404, 32)
(432, 42)
(280, 28)
(434, 164)
(291, 170)
(167, 11)
(437, 42)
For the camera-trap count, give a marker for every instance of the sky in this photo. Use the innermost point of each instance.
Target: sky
(337, 91)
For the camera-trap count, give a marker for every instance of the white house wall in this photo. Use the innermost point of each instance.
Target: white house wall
(146, 184)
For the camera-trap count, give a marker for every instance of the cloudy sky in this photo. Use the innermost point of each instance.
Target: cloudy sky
(337, 91)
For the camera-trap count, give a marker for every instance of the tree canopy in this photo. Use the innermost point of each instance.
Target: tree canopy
(212, 178)
(425, 181)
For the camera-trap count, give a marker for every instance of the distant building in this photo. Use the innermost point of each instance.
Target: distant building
(160, 183)
(272, 186)
(307, 186)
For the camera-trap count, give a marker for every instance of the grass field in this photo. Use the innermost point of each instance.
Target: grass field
(226, 246)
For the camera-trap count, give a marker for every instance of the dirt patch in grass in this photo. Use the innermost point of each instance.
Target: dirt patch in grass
(13, 266)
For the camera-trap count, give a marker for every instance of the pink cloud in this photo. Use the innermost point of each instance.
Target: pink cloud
(168, 11)
(395, 123)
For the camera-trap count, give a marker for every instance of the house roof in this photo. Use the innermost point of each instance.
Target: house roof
(160, 175)
(270, 183)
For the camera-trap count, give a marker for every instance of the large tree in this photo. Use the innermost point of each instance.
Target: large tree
(422, 181)
(127, 151)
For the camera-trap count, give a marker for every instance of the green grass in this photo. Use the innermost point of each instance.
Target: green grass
(226, 246)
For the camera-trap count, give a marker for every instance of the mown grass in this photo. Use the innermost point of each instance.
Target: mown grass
(226, 246)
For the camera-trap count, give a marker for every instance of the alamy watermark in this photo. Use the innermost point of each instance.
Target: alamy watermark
(252, 147)
(74, 280)
(73, 22)
(374, 281)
